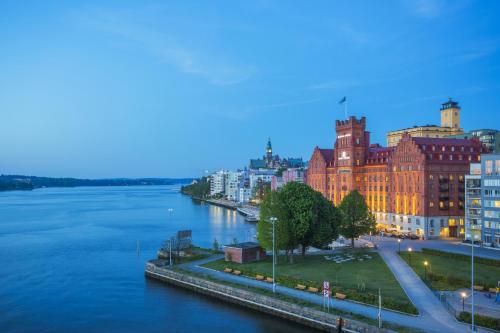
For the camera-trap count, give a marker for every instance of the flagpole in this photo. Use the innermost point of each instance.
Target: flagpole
(345, 109)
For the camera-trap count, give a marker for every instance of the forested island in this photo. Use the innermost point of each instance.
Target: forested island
(199, 188)
(19, 182)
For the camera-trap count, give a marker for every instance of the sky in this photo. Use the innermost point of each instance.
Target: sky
(98, 89)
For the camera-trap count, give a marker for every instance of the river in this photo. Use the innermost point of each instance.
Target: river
(69, 262)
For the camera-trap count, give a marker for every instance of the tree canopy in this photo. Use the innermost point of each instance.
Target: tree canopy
(304, 217)
(356, 217)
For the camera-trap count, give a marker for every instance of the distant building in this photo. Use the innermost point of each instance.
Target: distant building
(488, 137)
(289, 175)
(244, 252)
(270, 161)
(217, 182)
(450, 125)
(244, 195)
(232, 182)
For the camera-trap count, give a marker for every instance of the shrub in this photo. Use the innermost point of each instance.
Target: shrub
(479, 260)
(484, 321)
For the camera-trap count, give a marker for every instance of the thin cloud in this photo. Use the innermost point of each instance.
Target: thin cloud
(166, 48)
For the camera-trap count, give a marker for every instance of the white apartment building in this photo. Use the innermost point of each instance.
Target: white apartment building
(217, 182)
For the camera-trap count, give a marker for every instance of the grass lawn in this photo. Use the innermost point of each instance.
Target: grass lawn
(452, 273)
(359, 280)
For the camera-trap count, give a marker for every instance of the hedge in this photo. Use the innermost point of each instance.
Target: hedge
(484, 321)
(479, 260)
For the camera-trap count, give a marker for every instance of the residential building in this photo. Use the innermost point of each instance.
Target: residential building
(489, 137)
(450, 125)
(482, 215)
(473, 203)
(414, 187)
(490, 173)
(289, 175)
(261, 176)
(217, 183)
(244, 195)
(232, 183)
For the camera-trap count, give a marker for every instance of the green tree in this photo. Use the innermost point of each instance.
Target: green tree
(356, 217)
(325, 227)
(304, 216)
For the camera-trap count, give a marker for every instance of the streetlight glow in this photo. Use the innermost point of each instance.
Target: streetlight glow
(399, 245)
(425, 269)
(409, 255)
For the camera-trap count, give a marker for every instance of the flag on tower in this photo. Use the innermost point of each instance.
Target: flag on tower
(343, 100)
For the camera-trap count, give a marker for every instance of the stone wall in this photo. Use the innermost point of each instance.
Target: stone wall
(304, 315)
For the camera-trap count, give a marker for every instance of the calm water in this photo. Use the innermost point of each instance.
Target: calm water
(68, 263)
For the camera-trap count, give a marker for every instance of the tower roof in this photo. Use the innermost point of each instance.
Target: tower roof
(450, 104)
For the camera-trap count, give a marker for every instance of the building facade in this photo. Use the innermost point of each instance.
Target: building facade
(414, 187)
(473, 203)
(482, 217)
(450, 125)
(490, 174)
(217, 182)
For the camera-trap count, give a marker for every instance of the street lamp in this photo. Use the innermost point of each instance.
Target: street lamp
(399, 245)
(473, 327)
(273, 221)
(463, 300)
(409, 255)
(425, 269)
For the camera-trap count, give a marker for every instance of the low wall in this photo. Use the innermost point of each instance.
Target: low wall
(304, 315)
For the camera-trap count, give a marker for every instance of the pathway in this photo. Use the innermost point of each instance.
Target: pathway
(433, 317)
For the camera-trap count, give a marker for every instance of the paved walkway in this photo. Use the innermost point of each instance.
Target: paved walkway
(432, 312)
(433, 317)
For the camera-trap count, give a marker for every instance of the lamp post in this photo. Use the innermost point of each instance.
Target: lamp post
(473, 327)
(273, 221)
(409, 255)
(425, 270)
(463, 300)
(399, 245)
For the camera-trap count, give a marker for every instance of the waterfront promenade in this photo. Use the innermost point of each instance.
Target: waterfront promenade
(432, 315)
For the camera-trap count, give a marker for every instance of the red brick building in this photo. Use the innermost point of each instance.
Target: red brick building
(244, 252)
(416, 187)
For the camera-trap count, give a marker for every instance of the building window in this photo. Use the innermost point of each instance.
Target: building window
(431, 204)
(431, 223)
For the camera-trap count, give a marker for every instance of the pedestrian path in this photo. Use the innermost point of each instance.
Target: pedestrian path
(431, 310)
(433, 317)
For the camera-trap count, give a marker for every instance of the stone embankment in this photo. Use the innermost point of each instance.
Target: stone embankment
(270, 305)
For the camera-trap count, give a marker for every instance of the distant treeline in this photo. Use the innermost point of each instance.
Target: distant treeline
(199, 189)
(17, 182)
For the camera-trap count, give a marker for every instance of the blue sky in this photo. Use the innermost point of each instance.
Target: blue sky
(140, 89)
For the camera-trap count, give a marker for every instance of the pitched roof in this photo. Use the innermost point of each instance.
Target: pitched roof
(327, 155)
(257, 163)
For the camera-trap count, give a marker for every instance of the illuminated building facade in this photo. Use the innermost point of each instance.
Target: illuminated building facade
(415, 187)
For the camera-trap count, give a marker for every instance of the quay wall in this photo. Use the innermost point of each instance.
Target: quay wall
(303, 315)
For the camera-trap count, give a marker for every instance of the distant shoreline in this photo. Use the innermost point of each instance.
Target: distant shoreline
(28, 183)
